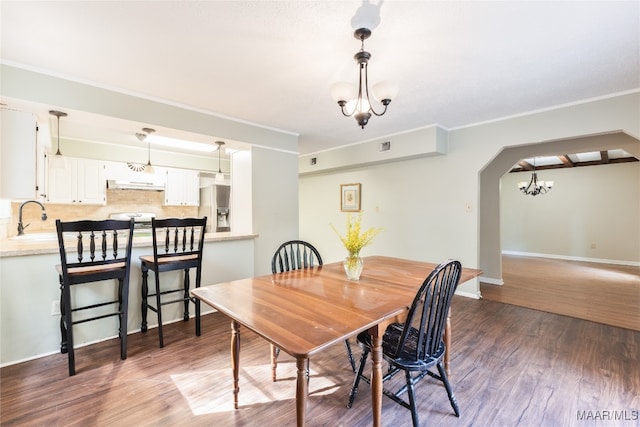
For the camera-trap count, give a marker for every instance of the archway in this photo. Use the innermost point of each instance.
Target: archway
(490, 250)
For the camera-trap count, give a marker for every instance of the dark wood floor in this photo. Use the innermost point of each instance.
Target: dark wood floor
(604, 293)
(511, 366)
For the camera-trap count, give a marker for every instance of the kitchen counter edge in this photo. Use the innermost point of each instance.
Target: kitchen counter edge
(15, 248)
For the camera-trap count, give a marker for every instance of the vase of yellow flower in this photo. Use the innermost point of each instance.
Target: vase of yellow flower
(354, 240)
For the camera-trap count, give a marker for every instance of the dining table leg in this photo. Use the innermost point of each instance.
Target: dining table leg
(235, 360)
(302, 389)
(376, 375)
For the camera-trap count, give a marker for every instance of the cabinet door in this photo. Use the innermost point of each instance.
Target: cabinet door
(182, 188)
(61, 186)
(91, 182)
(192, 189)
(18, 155)
(81, 181)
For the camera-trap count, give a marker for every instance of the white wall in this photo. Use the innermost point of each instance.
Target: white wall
(595, 205)
(423, 201)
(424, 218)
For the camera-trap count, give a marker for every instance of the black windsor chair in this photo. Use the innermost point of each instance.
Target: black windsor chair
(295, 255)
(417, 345)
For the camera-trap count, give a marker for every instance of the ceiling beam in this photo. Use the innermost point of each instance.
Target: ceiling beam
(566, 161)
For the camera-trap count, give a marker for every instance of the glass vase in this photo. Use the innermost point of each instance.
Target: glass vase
(353, 267)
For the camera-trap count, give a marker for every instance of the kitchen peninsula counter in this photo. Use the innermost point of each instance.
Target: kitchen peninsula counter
(29, 286)
(25, 247)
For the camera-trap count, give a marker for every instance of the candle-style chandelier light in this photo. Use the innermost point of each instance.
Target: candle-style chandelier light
(360, 106)
(535, 187)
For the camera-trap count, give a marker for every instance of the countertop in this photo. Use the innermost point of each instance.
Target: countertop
(17, 247)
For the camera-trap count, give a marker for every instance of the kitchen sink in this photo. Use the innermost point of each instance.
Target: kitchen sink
(36, 237)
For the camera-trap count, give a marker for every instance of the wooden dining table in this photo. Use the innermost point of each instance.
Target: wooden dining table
(302, 312)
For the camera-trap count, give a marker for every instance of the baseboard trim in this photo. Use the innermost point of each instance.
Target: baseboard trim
(491, 280)
(574, 258)
(473, 295)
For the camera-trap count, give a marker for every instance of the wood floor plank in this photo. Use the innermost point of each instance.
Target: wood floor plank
(604, 293)
(510, 366)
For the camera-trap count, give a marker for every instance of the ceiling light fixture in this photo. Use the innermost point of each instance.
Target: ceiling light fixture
(182, 144)
(219, 175)
(535, 187)
(361, 107)
(139, 167)
(58, 160)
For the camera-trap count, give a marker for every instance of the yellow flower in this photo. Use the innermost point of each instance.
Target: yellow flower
(354, 240)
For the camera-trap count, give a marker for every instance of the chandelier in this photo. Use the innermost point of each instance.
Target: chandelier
(360, 106)
(535, 187)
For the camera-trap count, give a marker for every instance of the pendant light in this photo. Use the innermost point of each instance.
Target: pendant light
(58, 161)
(139, 167)
(219, 175)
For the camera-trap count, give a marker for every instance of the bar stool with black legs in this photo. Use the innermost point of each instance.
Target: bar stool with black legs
(93, 251)
(177, 245)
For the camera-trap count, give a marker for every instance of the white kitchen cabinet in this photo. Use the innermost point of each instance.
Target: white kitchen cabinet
(18, 160)
(182, 188)
(81, 181)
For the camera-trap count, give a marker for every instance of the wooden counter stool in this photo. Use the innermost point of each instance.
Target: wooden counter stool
(93, 251)
(181, 243)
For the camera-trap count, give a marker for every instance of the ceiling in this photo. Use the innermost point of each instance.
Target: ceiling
(271, 63)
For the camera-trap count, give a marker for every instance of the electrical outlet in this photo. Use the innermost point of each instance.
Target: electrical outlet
(384, 146)
(55, 308)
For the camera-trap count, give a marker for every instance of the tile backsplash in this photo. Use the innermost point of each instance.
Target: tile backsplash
(117, 201)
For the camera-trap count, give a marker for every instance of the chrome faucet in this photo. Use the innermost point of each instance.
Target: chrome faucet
(22, 227)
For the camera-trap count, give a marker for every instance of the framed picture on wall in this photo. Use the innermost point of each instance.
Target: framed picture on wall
(350, 197)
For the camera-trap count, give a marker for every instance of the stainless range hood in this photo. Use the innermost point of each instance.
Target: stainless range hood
(116, 184)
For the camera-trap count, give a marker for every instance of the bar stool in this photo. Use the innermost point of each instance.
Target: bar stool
(108, 258)
(182, 241)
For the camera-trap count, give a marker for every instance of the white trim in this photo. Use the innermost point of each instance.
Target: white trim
(574, 258)
(474, 295)
(552, 108)
(491, 281)
(139, 95)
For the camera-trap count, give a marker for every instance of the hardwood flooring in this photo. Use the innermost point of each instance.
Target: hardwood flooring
(510, 366)
(604, 293)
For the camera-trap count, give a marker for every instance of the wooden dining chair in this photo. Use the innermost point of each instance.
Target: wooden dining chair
(177, 245)
(295, 255)
(416, 346)
(93, 251)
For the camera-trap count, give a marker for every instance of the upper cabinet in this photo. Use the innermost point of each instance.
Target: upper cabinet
(81, 181)
(18, 162)
(182, 188)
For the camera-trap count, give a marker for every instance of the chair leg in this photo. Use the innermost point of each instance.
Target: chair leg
(198, 324)
(356, 381)
(124, 310)
(144, 307)
(350, 355)
(159, 310)
(412, 399)
(185, 296)
(69, 328)
(63, 327)
(452, 398)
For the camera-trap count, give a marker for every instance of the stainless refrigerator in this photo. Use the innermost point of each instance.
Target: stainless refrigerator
(214, 203)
